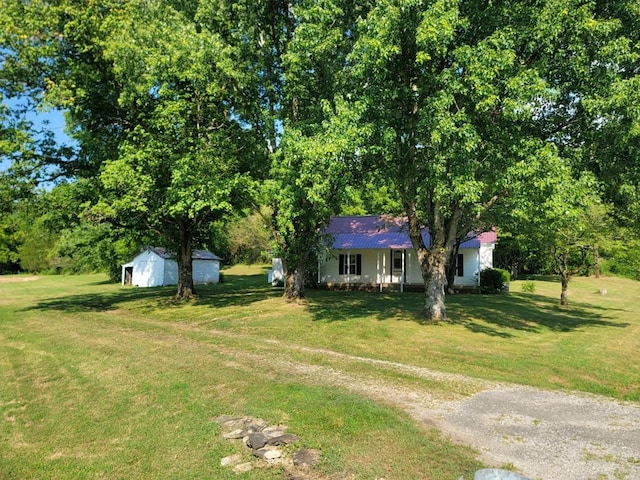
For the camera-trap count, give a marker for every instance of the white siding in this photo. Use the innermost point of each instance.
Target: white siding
(469, 268)
(148, 270)
(486, 255)
(330, 269)
(170, 276)
(377, 267)
(206, 271)
(151, 270)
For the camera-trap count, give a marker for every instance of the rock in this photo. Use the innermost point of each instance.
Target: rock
(284, 439)
(272, 454)
(263, 439)
(275, 431)
(239, 433)
(256, 440)
(256, 425)
(306, 457)
(234, 459)
(248, 424)
(226, 418)
(268, 453)
(242, 468)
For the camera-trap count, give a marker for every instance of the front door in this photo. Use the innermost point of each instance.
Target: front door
(397, 266)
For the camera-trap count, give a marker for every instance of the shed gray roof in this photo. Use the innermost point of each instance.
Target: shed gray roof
(195, 254)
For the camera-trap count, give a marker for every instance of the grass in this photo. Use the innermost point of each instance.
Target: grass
(103, 381)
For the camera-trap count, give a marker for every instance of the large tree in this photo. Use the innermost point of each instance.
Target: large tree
(322, 142)
(296, 52)
(310, 177)
(466, 96)
(185, 163)
(155, 98)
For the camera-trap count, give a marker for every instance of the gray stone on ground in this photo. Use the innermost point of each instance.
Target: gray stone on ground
(247, 424)
(234, 459)
(275, 430)
(306, 457)
(242, 468)
(256, 440)
(263, 440)
(285, 439)
(234, 434)
(268, 453)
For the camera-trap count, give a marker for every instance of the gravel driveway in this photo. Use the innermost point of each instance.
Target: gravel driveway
(543, 435)
(548, 435)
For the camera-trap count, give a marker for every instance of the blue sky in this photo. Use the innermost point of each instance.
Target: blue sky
(54, 120)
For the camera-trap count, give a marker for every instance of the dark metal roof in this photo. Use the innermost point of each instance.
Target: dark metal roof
(204, 255)
(195, 254)
(385, 232)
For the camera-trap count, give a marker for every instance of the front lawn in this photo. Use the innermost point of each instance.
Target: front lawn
(103, 381)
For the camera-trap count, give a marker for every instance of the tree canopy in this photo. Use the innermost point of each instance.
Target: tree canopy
(188, 112)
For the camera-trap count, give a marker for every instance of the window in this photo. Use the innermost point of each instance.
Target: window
(397, 259)
(350, 264)
(460, 265)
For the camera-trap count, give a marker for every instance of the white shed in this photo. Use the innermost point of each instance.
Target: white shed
(156, 267)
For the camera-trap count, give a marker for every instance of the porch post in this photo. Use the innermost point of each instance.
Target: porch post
(402, 278)
(378, 274)
(384, 267)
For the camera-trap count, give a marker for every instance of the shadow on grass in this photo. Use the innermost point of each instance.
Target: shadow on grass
(492, 315)
(341, 306)
(497, 314)
(237, 290)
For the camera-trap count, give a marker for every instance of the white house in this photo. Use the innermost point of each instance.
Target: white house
(376, 252)
(155, 267)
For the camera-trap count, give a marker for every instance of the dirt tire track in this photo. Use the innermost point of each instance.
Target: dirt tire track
(544, 435)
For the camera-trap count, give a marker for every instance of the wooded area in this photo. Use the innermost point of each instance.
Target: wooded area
(194, 123)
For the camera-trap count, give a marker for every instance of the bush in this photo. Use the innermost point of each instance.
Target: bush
(494, 280)
(529, 287)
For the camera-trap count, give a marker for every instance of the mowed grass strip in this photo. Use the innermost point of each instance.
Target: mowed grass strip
(94, 389)
(104, 381)
(592, 345)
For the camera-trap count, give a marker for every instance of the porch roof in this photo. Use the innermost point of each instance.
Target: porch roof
(386, 232)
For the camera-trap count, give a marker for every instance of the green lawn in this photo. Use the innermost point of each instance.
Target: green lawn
(103, 381)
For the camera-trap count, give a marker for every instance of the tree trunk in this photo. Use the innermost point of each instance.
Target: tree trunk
(435, 280)
(562, 267)
(185, 265)
(433, 260)
(596, 261)
(294, 283)
(564, 279)
(451, 267)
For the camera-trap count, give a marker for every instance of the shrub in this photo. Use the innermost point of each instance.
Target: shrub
(529, 287)
(493, 280)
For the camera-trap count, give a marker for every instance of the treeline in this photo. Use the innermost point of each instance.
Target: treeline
(38, 238)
